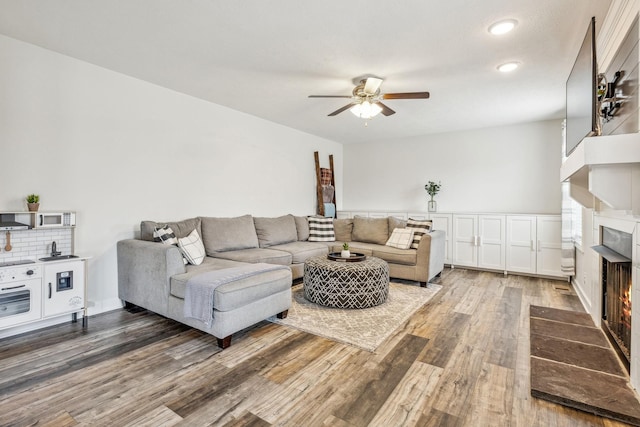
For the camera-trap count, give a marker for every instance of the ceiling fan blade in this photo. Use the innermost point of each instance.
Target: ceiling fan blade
(408, 95)
(340, 110)
(330, 96)
(385, 110)
(372, 85)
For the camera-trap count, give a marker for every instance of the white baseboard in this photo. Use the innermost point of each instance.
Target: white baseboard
(28, 327)
(104, 306)
(586, 302)
(93, 309)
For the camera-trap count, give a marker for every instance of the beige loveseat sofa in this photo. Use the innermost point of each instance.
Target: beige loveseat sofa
(154, 276)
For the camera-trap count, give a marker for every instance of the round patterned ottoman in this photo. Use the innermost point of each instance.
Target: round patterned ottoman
(346, 284)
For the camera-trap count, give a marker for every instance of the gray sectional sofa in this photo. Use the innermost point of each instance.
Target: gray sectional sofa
(153, 275)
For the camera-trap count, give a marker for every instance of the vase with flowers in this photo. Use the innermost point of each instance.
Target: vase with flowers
(432, 189)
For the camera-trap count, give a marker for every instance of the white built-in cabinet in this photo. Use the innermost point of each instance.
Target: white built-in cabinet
(534, 244)
(521, 241)
(478, 241)
(549, 245)
(517, 243)
(443, 222)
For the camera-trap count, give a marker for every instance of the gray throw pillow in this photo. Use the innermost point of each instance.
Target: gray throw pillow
(370, 230)
(343, 228)
(396, 223)
(302, 226)
(276, 231)
(228, 234)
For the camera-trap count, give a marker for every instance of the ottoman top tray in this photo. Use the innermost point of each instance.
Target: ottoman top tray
(355, 257)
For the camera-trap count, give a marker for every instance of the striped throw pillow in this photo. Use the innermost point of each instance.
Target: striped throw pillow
(420, 228)
(401, 238)
(165, 235)
(321, 229)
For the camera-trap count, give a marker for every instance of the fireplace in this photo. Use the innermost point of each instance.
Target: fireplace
(616, 252)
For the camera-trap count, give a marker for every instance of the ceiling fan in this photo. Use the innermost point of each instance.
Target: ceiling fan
(365, 99)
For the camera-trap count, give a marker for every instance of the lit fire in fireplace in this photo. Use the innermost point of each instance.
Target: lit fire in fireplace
(625, 302)
(617, 277)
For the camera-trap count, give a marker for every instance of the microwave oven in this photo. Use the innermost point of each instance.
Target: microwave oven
(55, 219)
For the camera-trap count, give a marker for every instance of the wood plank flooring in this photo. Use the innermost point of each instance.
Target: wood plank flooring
(461, 360)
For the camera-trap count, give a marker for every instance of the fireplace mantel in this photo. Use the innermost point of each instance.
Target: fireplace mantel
(608, 168)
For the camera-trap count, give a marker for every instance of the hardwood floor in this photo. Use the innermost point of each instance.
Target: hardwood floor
(461, 360)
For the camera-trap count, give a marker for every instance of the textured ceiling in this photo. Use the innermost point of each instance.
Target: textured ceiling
(265, 57)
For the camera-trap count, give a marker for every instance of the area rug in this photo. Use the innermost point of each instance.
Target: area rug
(366, 328)
(573, 364)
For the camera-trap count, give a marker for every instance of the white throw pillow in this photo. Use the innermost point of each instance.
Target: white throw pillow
(420, 228)
(401, 238)
(192, 248)
(321, 229)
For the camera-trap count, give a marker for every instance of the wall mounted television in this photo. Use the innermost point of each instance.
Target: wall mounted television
(581, 109)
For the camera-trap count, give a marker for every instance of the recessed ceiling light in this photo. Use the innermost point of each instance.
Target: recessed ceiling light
(502, 27)
(508, 67)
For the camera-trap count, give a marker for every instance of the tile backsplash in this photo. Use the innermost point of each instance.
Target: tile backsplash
(35, 243)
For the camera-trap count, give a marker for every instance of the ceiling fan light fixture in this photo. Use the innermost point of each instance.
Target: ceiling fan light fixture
(366, 110)
(502, 27)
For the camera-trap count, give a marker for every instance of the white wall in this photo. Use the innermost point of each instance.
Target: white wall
(512, 169)
(119, 150)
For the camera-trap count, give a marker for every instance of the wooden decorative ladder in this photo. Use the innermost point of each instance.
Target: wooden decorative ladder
(319, 193)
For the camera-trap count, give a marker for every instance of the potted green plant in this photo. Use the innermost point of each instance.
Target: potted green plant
(432, 189)
(345, 251)
(33, 202)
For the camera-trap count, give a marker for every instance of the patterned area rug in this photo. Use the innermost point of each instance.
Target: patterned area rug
(366, 328)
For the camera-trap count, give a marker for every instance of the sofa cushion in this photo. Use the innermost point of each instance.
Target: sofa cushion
(300, 251)
(358, 248)
(235, 294)
(370, 230)
(253, 255)
(396, 256)
(180, 228)
(321, 229)
(192, 248)
(420, 227)
(228, 234)
(396, 223)
(343, 228)
(302, 227)
(401, 238)
(275, 231)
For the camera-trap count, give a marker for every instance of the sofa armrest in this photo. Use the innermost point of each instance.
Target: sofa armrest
(144, 273)
(430, 257)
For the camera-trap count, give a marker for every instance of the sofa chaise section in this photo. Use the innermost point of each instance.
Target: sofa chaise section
(154, 276)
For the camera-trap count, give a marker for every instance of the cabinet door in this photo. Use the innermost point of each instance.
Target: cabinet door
(521, 244)
(549, 244)
(63, 288)
(491, 241)
(464, 240)
(443, 222)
